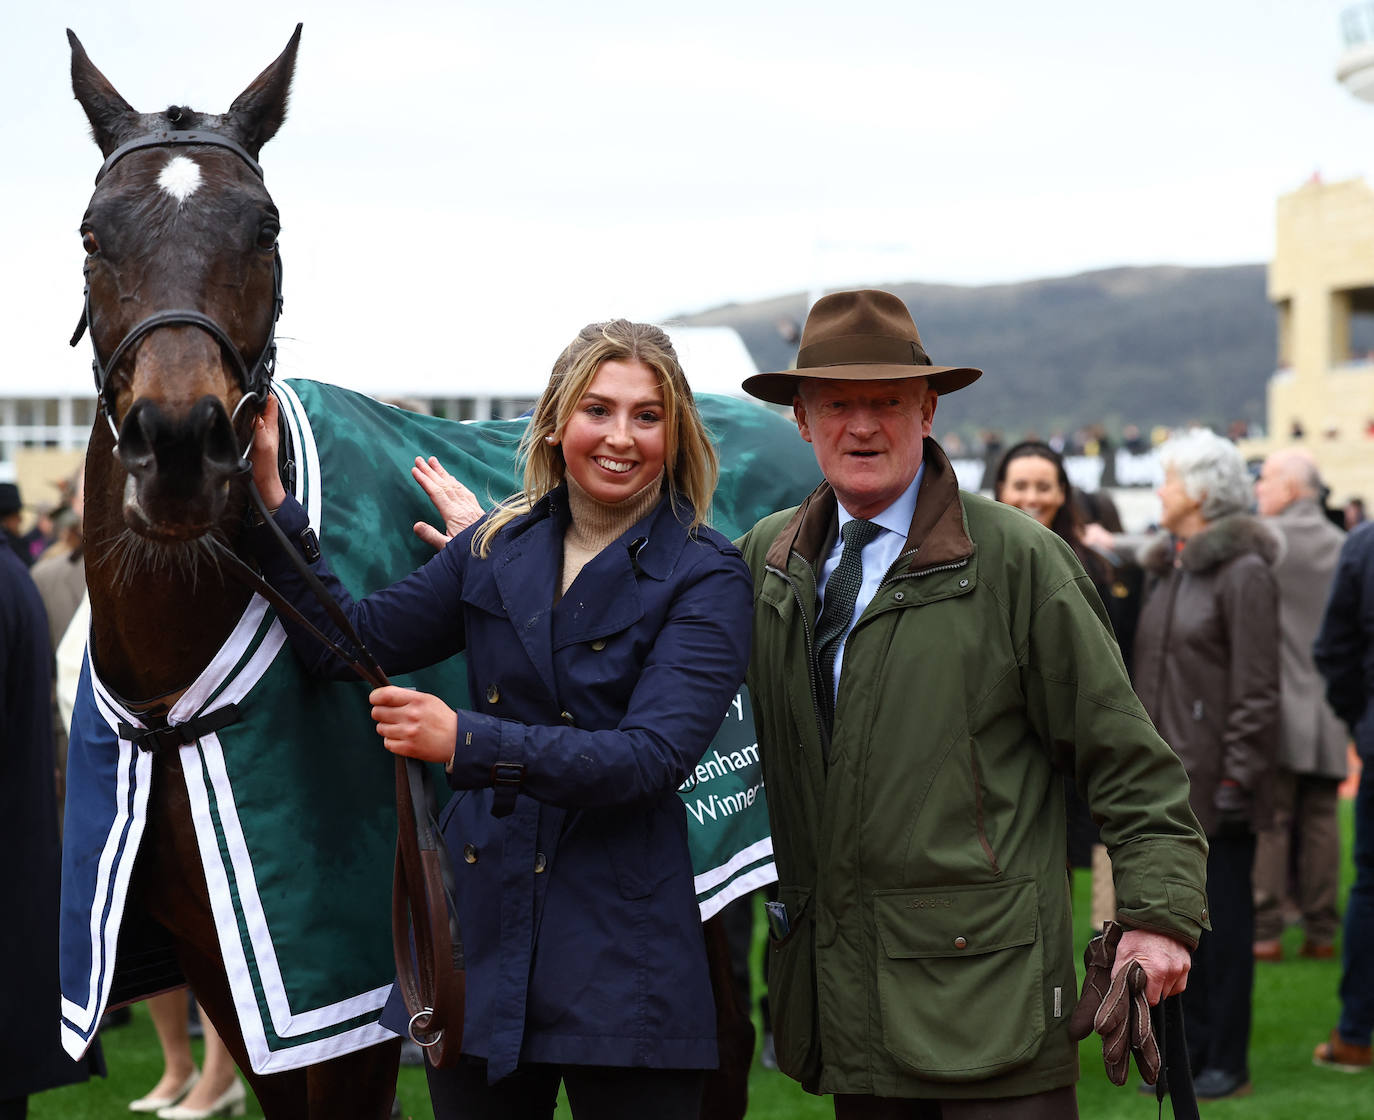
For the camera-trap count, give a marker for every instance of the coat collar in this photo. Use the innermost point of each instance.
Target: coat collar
(1224, 539)
(1302, 511)
(937, 535)
(654, 542)
(528, 568)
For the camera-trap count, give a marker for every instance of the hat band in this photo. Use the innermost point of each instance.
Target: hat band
(862, 350)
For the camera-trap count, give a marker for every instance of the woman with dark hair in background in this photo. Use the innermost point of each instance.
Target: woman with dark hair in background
(1031, 476)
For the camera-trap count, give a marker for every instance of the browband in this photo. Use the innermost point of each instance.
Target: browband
(174, 138)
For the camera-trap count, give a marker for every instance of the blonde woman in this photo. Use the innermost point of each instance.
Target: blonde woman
(606, 630)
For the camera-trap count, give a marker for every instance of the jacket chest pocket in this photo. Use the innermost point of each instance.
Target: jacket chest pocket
(960, 978)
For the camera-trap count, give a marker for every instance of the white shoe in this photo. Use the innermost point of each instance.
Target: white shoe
(151, 1103)
(232, 1102)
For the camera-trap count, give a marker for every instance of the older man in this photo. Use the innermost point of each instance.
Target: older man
(925, 664)
(1312, 742)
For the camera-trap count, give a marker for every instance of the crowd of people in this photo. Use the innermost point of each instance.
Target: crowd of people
(957, 699)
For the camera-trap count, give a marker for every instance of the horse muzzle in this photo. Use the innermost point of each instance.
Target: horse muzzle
(179, 467)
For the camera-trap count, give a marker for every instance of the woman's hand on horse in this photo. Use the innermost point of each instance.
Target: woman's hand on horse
(263, 453)
(456, 504)
(414, 724)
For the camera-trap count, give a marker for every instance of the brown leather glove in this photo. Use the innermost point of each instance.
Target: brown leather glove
(1116, 1009)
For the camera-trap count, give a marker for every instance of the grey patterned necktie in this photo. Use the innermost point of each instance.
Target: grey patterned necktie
(841, 593)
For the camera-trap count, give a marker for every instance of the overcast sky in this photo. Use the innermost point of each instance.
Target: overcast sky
(462, 185)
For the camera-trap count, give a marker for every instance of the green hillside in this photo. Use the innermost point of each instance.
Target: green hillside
(1157, 345)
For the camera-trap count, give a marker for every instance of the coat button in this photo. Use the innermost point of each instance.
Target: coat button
(540, 863)
(470, 853)
(599, 644)
(963, 583)
(567, 717)
(1204, 913)
(899, 596)
(493, 694)
(960, 943)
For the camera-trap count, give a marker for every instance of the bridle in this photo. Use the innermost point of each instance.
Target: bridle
(253, 380)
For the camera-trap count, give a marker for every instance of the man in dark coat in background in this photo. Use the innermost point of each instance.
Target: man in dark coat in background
(1344, 653)
(31, 1054)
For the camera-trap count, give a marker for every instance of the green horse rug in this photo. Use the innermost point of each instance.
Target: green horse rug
(293, 803)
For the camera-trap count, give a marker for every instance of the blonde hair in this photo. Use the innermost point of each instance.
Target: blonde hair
(690, 461)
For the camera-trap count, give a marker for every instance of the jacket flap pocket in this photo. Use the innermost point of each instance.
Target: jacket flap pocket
(1187, 901)
(956, 921)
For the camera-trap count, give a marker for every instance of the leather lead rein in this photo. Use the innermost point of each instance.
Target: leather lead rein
(432, 980)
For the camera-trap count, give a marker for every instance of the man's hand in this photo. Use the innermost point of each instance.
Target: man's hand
(414, 724)
(1166, 961)
(1127, 971)
(456, 504)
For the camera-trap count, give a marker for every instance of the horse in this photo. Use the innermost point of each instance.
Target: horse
(182, 281)
(183, 288)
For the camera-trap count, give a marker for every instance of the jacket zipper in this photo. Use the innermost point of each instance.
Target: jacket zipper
(810, 653)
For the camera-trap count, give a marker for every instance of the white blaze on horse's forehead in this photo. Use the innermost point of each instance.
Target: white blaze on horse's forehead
(180, 177)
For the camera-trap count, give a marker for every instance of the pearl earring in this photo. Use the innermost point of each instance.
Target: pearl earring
(550, 439)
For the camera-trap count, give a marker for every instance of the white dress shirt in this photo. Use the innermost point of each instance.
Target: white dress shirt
(878, 555)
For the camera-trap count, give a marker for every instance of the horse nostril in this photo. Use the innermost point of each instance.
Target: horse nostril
(138, 437)
(215, 435)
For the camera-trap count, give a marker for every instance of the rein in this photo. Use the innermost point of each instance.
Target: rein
(432, 979)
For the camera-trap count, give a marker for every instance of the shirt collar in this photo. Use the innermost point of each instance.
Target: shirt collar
(896, 518)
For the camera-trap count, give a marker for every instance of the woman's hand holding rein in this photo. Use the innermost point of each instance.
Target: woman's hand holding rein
(414, 724)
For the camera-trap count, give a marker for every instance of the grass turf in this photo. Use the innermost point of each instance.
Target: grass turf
(1295, 1008)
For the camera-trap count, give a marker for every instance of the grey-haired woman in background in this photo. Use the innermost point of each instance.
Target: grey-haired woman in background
(1207, 670)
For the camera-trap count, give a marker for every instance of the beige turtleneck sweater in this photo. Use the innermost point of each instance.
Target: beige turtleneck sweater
(596, 524)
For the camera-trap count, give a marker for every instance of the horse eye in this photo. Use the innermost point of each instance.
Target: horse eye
(89, 243)
(267, 236)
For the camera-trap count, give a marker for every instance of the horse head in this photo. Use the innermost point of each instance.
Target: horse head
(182, 293)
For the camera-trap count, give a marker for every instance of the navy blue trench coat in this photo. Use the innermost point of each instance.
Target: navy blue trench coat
(579, 915)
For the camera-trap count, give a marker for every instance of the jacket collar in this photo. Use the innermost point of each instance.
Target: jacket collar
(937, 534)
(1303, 510)
(654, 542)
(1224, 539)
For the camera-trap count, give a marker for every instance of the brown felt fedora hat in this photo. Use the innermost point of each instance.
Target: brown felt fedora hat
(859, 336)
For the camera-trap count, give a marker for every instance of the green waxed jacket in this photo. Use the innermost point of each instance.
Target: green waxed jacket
(923, 871)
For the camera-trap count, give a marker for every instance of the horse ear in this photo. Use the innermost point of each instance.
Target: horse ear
(257, 113)
(112, 118)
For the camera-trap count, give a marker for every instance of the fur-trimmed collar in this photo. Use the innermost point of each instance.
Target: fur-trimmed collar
(1224, 539)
